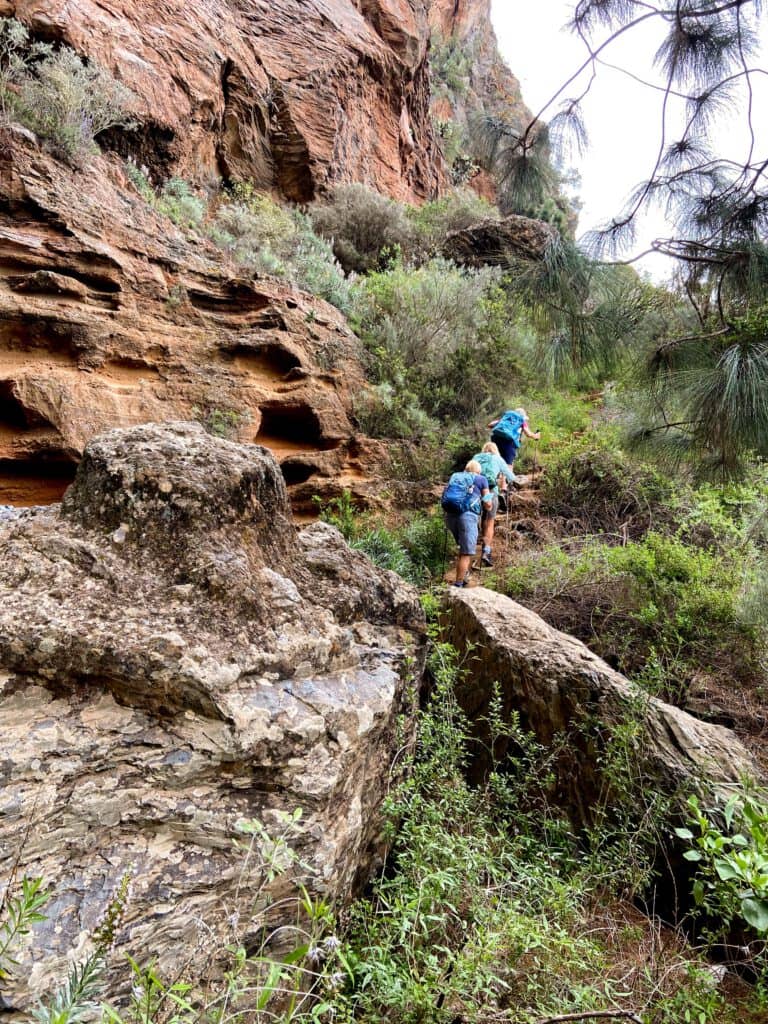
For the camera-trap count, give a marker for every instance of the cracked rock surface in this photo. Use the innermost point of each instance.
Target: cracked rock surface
(176, 657)
(559, 687)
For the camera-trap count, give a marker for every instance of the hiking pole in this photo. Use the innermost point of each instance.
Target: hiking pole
(506, 515)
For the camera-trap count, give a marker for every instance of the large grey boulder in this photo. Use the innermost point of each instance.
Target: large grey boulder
(176, 657)
(560, 688)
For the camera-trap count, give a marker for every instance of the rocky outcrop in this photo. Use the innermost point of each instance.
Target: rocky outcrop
(500, 243)
(111, 316)
(295, 95)
(175, 658)
(488, 86)
(559, 687)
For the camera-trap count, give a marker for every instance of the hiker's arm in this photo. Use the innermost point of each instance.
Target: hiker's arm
(492, 424)
(487, 497)
(529, 433)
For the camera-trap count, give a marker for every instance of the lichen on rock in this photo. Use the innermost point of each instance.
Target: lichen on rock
(175, 657)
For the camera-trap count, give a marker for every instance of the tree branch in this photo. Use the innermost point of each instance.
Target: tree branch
(592, 1015)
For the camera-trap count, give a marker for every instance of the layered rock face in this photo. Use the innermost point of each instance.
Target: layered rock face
(294, 95)
(558, 686)
(175, 658)
(111, 316)
(491, 85)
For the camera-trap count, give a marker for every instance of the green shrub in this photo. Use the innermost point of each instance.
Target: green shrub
(592, 486)
(17, 54)
(55, 93)
(392, 410)
(415, 549)
(643, 605)
(435, 220)
(266, 239)
(138, 178)
(221, 421)
(252, 225)
(445, 333)
(315, 268)
(178, 201)
(450, 64)
(362, 226)
(21, 908)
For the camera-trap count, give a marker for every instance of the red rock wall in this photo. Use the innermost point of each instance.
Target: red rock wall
(295, 95)
(491, 87)
(110, 316)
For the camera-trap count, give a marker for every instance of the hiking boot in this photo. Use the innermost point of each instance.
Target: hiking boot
(486, 560)
(459, 583)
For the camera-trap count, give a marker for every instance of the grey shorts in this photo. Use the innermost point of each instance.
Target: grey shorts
(490, 513)
(464, 528)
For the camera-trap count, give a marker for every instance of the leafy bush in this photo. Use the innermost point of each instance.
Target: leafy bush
(221, 421)
(20, 909)
(55, 93)
(451, 64)
(266, 239)
(391, 409)
(362, 226)
(730, 846)
(592, 486)
(257, 233)
(178, 201)
(642, 606)
(435, 220)
(444, 333)
(415, 549)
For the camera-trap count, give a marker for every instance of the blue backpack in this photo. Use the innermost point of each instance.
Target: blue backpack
(509, 426)
(487, 466)
(459, 495)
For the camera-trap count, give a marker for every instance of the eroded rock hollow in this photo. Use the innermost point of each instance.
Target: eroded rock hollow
(111, 316)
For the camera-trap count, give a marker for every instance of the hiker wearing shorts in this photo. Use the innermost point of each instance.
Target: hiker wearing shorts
(462, 499)
(492, 466)
(507, 432)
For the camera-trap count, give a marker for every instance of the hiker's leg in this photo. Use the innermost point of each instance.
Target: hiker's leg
(507, 450)
(453, 524)
(489, 522)
(468, 529)
(463, 563)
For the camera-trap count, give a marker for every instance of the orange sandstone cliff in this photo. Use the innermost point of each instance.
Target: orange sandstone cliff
(112, 316)
(291, 94)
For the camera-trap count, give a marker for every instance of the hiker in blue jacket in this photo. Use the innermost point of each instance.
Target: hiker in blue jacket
(507, 432)
(462, 499)
(492, 466)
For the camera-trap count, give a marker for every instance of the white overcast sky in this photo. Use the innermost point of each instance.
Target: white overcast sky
(622, 117)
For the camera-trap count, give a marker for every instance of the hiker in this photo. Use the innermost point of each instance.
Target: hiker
(461, 501)
(492, 466)
(507, 433)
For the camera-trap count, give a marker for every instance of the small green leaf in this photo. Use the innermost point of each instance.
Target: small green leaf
(755, 912)
(693, 855)
(726, 871)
